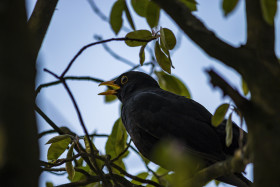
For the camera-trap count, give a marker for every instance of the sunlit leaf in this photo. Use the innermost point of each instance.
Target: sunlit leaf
(269, 8)
(142, 54)
(139, 34)
(140, 7)
(191, 4)
(229, 6)
(128, 16)
(142, 175)
(57, 148)
(80, 161)
(152, 14)
(167, 38)
(58, 138)
(144, 159)
(172, 84)
(49, 184)
(88, 150)
(163, 61)
(245, 87)
(229, 131)
(219, 114)
(171, 154)
(69, 166)
(79, 176)
(116, 142)
(217, 182)
(116, 20)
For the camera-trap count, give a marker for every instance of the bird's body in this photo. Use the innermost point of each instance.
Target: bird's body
(151, 115)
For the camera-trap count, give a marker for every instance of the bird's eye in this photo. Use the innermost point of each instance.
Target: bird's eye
(124, 79)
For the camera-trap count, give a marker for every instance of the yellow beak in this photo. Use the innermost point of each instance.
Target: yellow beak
(113, 85)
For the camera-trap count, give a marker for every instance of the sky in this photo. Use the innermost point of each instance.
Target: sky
(74, 25)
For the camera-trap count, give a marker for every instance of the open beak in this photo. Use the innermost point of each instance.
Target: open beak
(113, 85)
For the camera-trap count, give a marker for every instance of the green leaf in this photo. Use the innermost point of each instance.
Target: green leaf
(219, 114)
(128, 16)
(163, 61)
(152, 14)
(144, 159)
(88, 150)
(58, 138)
(172, 84)
(229, 131)
(217, 182)
(167, 38)
(245, 87)
(142, 175)
(116, 20)
(269, 8)
(191, 4)
(140, 7)
(161, 171)
(79, 176)
(69, 166)
(49, 184)
(57, 148)
(229, 6)
(142, 54)
(116, 142)
(139, 34)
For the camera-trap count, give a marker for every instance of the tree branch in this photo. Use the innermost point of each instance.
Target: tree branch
(235, 164)
(236, 58)
(99, 42)
(260, 35)
(82, 78)
(40, 20)
(216, 80)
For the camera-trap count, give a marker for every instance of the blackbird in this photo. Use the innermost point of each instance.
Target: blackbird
(151, 114)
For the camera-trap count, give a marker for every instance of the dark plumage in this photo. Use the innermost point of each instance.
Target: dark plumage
(151, 114)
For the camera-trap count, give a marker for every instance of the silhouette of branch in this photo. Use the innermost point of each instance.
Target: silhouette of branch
(123, 152)
(96, 43)
(46, 132)
(235, 164)
(80, 78)
(48, 120)
(216, 80)
(97, 169)
(113, 54)
(39, 21)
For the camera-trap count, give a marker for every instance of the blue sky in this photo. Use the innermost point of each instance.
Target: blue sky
(74, 24)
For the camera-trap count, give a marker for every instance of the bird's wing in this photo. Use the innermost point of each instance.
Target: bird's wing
(162, 114)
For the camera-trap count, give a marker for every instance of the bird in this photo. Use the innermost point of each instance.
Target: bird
(151, 114)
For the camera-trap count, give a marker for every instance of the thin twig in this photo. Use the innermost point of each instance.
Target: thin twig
(99, 42)
(123, 152)
(45, 133)
(48, 120)
(99, 172)
(113, 54)
(87, 78)
(61, 161)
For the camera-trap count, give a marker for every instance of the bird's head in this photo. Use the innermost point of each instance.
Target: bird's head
(128, 83)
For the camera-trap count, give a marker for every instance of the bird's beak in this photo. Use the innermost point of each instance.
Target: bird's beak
(113, 85)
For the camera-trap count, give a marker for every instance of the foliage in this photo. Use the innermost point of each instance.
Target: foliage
(84, 163)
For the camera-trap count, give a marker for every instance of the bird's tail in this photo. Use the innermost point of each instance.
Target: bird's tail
(236, 179)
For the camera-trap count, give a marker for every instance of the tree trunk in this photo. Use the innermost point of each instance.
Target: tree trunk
(19, 151)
